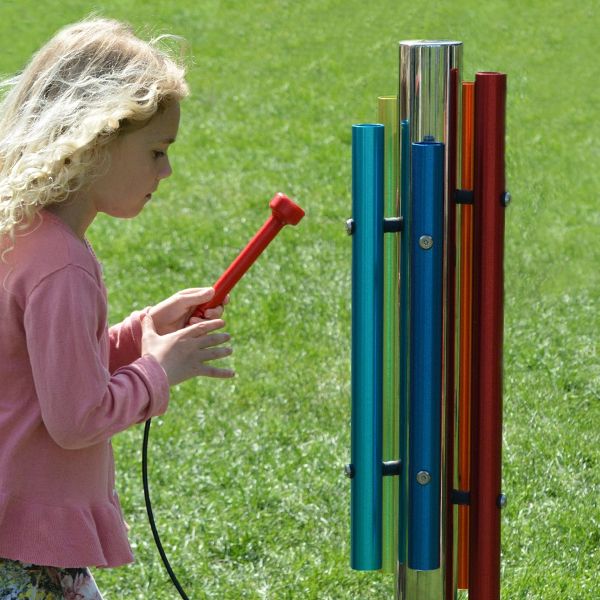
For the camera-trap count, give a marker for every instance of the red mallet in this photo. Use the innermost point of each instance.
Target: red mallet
(284, 212)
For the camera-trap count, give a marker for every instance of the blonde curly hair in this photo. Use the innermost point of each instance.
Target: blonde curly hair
(92, 81)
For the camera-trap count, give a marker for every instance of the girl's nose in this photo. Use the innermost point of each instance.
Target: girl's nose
(165, 169)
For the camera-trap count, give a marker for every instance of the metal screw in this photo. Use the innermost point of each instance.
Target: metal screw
(423, 477)
(506, 198)
(349, 226)
(426, 242)
(502, 501)
(349, 471)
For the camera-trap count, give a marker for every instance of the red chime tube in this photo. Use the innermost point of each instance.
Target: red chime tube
(490, 200)
(284, 212)
(465, 356)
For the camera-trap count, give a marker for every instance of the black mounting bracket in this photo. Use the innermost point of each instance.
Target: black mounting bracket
(393, 224)
(460, 497)
(388, 469)
(391, 468)
(463, 196)
(390, 225)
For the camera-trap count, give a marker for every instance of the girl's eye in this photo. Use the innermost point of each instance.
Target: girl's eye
(158, 154)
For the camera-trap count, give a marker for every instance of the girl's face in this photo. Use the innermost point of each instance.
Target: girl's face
(138, 162)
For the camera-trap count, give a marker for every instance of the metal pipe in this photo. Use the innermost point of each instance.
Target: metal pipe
(449, 325)
(405, 146)
(426, 262)
(367, 326)
(488, 290)
(465, 334)
(427, 72)
(387, 114)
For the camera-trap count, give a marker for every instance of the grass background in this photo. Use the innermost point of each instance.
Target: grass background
(246, 474)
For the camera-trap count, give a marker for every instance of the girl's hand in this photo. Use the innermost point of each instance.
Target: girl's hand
(183, 354)
(174, 313)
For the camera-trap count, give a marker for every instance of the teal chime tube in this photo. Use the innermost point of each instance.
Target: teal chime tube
(426, 337)
(367, 335)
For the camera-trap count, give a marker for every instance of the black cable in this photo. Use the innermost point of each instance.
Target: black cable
(151, 516)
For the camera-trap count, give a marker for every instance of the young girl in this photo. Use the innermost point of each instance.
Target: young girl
(84, 129)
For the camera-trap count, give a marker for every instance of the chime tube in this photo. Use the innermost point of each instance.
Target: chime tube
(429, 71)
(367, 330)
(387, 114)
(404, 176)
(426, 347)
(465, 333)
(449, 537)
(488, 287)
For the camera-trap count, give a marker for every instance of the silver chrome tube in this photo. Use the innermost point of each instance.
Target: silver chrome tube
(427, 110)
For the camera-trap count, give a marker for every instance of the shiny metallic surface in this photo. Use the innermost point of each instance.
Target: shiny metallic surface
(349, 226)
(425, 356)
(425, 86)
(387, 114)
(488, 325)
(405, 321)
(465, 334)
(450, 537)
(400, 582)
(424, 585)
(426, 242)
(428, 71)
(423, 477)
(366, 347)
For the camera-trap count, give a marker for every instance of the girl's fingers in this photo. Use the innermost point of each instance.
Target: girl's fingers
(191, 295)
(209, 354)
(213, 313)
(200, 328)
(211, 341)
(188, 300)
(214, 353)
(210, 371)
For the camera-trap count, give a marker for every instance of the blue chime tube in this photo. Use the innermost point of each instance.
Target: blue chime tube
(367, 336)
(426, 347)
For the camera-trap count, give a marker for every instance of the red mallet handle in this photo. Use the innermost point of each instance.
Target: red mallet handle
(283, 212)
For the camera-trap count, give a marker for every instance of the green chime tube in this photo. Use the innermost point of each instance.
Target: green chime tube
(387, 114)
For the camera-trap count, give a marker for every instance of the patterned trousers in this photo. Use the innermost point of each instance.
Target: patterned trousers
(22, 581)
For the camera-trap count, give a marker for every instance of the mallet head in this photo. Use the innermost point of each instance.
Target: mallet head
(285, 210)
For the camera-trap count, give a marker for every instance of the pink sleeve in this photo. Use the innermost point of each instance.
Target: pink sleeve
(125, 340)
(81, 402)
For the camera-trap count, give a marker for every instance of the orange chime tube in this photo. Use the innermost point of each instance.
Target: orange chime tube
(464, 374)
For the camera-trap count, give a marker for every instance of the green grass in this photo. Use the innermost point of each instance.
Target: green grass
(246, 475)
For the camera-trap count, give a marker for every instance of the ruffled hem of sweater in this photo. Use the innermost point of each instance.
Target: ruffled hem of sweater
(63, 536)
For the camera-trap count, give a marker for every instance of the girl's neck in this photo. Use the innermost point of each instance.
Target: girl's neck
(76, 213)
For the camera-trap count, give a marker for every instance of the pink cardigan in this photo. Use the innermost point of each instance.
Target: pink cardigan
(67, 385)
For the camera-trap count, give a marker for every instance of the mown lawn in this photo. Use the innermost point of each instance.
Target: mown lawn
(246, 475)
